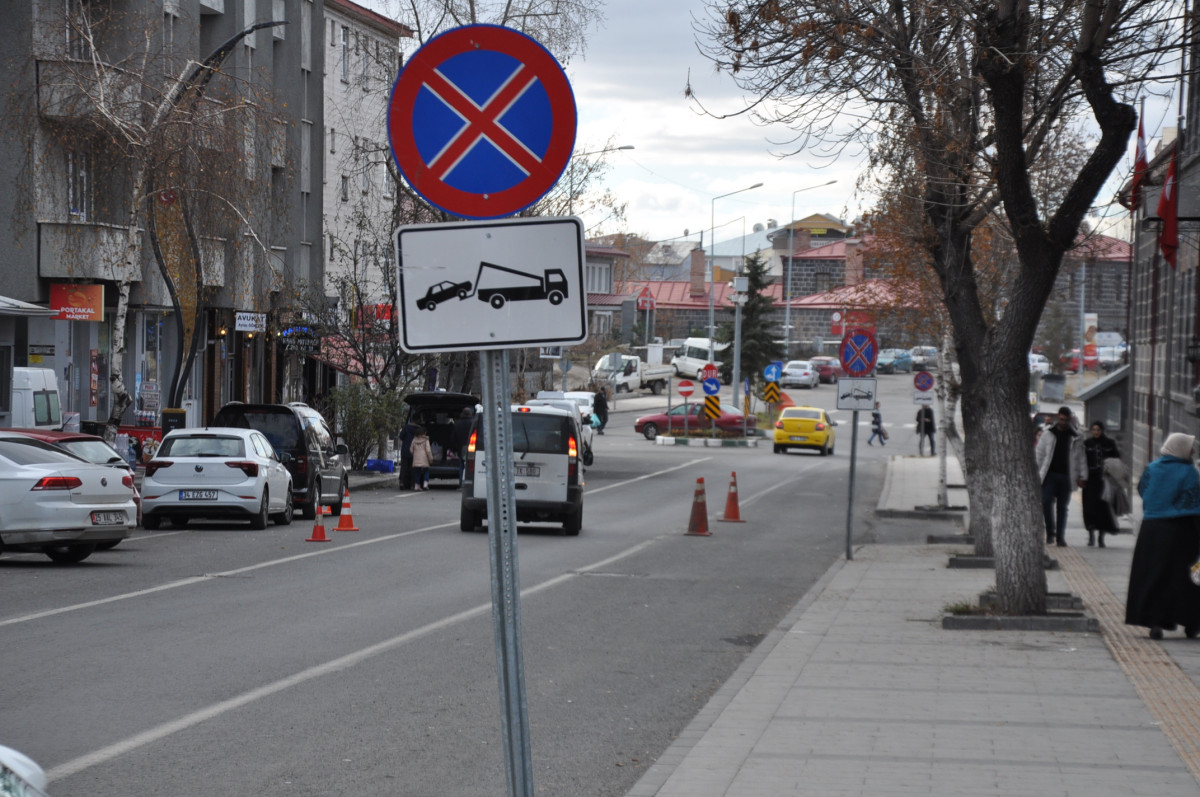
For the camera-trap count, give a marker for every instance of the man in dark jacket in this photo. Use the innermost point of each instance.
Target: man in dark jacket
(600, 408)
(461, 438)
(406, 458)
(925, 427)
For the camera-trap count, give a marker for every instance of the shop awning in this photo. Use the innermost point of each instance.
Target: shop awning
(17, 307)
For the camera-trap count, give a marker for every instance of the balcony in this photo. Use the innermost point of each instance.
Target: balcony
(82, 251)
(69, 91)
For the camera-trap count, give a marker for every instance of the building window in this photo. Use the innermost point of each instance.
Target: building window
(306, 127)
(78, 29)
(345, 188)
(364, 168)
(601, 323)
(306, 33)
(79, 184)
(389, 191)
(333, 139)
(345, 54)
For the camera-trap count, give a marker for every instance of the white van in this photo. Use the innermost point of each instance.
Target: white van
(693, 355)
(547, 476)
(35, 402)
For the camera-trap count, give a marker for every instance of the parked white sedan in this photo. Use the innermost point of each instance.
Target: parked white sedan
(216, 473)
(800, 373)
(55, 503)
(1038, 364)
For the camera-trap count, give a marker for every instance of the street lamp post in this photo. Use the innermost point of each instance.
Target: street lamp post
(787, 280)
(571, 181)
(712, 221)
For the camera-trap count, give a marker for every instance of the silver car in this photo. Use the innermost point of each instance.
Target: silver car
(799, 373)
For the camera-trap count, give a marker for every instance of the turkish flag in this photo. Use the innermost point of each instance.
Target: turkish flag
(1140, 167)
(1168, 211)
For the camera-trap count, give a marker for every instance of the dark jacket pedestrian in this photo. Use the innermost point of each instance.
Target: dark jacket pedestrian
(461, 438)
(925, 428)
(1098, 516)
(1060, 465)
(600, 409)
(406, 437)
(1161, 594)
(877, 430)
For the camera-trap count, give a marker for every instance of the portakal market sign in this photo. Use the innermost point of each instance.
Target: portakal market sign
(77, 302)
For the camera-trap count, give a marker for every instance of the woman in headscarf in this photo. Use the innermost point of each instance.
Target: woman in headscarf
(1161, 592)
(1097, 513)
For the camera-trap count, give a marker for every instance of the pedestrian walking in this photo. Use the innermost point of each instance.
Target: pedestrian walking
(1161, 594)
(1060, 465)
(600, 409)
(461, 438)
(1098, 515)
(877, 429)
(406, 458)
(422, 458)
(925, 428)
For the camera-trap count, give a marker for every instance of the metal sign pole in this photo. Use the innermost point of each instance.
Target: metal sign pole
(506, 589)
(850, 500)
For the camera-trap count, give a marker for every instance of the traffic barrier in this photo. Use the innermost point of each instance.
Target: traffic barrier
(698, 525)
(346, 521)
(785, 401)
(732, 515)
(318, 532)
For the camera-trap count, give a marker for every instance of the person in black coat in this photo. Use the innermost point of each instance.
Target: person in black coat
(461, 438)
(1097, 513)
(406, 458)
(925, 428)
(600, 408)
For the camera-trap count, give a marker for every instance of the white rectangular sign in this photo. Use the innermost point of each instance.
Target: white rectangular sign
(491, 285)
(923, 398)
(856, 394)
(249, 322)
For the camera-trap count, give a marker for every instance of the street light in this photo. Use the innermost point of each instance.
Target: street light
(787, 280)
(712, 222)
(571, 183)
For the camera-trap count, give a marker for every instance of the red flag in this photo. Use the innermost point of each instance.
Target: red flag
(1168, 211)
(1140, 167)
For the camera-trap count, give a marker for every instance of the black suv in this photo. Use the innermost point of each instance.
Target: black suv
(318, 467)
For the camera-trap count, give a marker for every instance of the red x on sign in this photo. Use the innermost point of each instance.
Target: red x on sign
(482, 121)
(858, 352)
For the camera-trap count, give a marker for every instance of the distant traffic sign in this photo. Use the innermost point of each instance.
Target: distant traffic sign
(712, 386)
(858, 352)
(709, 371)
(482, 121)
(856, 394)
(923, 380)
(771, 393)
(771, 372)
(712, 407)
(686, 387)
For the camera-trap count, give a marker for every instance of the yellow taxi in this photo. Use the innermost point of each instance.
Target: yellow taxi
(805, 427)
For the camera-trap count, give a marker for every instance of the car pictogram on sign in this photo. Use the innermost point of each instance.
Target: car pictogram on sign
(482, 121)
(443, 291)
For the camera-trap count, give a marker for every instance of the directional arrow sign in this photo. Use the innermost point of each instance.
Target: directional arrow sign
(771, 372)
(712, 386)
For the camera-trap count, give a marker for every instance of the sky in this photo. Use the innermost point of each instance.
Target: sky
(629, 91)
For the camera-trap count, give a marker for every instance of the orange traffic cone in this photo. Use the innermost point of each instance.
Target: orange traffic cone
(785, 401)
(698, 525)
(346, 521)
(318, 532)
(731, 503)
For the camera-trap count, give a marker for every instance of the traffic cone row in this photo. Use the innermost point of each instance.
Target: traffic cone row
(698, 525)
(346, 521)
(732, 515)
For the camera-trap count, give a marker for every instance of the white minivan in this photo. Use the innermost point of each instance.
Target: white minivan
(547, 473)
(693, 355)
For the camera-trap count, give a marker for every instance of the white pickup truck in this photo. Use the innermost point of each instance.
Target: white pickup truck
(626, 373)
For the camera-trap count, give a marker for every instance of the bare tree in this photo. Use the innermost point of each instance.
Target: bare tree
(974, 91)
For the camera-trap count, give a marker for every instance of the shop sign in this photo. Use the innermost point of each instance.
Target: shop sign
(77, 302)
(250, 322)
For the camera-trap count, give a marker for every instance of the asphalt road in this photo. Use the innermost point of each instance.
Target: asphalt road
(215, 659)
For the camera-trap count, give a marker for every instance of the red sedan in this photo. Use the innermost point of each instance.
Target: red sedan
(1070, 361)
(731, 420)
(829, 369)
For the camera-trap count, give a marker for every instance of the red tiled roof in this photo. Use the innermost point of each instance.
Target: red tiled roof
(601, 249)
(607, 299)
(1102, 247)
(379, 21)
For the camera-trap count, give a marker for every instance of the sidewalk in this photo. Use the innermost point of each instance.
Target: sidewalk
(859, 691)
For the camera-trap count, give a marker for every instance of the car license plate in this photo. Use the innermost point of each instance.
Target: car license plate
(798, 438)
(532, 471)
(108, 518)
(197, 495)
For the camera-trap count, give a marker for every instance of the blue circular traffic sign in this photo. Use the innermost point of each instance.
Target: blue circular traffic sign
(858, 352)
(712, 386)
(771, 372)
(482, 121)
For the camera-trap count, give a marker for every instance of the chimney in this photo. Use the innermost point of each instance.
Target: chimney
(801, 239)
(854, 262)
(698, 282)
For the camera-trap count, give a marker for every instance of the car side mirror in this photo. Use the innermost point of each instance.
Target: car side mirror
(832, 422)
(284, 457)
(343, 449)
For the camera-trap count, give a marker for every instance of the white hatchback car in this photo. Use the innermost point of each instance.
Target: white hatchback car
(55, 503)
(799, 373)
(214, 473)
(1038, 364)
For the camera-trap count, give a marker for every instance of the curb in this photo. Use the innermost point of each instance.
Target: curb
(706, 442)
(1065, 621)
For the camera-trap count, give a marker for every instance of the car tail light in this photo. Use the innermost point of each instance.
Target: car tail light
(57, 483)
(127, 480)
(572, 460)
(779, 424)
(301, 464)
(471, 442)
(820, 427)
(155, 465)
(249, 468)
